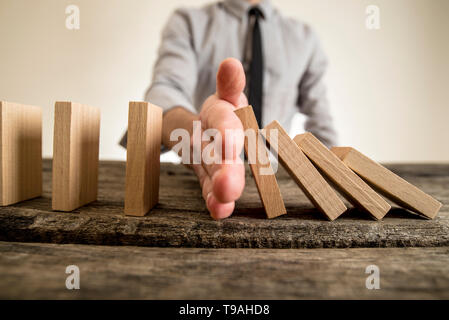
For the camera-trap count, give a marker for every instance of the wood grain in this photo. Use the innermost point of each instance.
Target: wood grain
(304, 173)
(37, 271)
(348, 183)
(75, 155)
(180, 219)
(20, 152)
(260, 165)
(387, 183)
(142, 158)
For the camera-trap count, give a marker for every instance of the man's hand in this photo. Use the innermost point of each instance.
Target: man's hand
(223, 183)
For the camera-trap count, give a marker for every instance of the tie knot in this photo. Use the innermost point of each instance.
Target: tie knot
(255, 11)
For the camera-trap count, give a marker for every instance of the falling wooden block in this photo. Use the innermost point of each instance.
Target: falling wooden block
(349, 184)
(387, 183)
(75, 155)
(260, 165)
(142, 158)
(20, 152)
(304, 173)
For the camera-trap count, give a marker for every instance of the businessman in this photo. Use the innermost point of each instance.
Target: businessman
(276, 65)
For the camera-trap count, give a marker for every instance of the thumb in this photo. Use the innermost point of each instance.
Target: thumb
(231, 82)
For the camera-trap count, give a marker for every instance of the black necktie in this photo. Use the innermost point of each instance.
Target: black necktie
(255, 89)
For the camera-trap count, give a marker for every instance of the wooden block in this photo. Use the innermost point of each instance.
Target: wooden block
(260, 166)
(20, 152)
(304, 173)
(75, 155)
(349, 184)
(142, 158)
(388, 184)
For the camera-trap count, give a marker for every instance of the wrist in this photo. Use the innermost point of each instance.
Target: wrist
(176, 118)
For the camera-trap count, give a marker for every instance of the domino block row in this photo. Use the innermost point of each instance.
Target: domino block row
(75, 164)
(315, 168)
(75, 155)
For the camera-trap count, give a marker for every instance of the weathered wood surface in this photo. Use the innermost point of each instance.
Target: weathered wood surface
(181, 219)
(38, 271)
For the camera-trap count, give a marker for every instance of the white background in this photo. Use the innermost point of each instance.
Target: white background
(389, 89)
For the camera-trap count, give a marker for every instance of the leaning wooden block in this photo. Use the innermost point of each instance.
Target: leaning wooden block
(260, 165)
(75, 155)
(389, 184)
(20, 152)
(142, 158)
(304, 173)
(349, 184)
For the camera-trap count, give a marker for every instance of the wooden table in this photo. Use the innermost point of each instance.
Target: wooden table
(179, 252)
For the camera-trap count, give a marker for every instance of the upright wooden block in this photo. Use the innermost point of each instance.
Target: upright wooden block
(75, 155)
(304, 173)
(142, 158)
(349, 184)
(261, 167)
(20, 152)
(387, 183)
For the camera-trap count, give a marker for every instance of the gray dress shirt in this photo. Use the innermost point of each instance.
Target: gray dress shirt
(195, 41)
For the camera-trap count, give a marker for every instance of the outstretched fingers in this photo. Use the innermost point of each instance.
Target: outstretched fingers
(222, 172)
(218, 210)
(231, 82)
(226, 170)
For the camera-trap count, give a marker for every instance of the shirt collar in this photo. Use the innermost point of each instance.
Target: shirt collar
(240, 8)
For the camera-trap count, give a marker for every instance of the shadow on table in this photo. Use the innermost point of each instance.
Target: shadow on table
(314, 214)
(299, 213)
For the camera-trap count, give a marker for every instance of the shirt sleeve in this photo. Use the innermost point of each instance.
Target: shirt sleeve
(175, 71)
(312, 99)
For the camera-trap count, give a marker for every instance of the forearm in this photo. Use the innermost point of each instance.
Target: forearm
(176, 118)
(174, 77)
